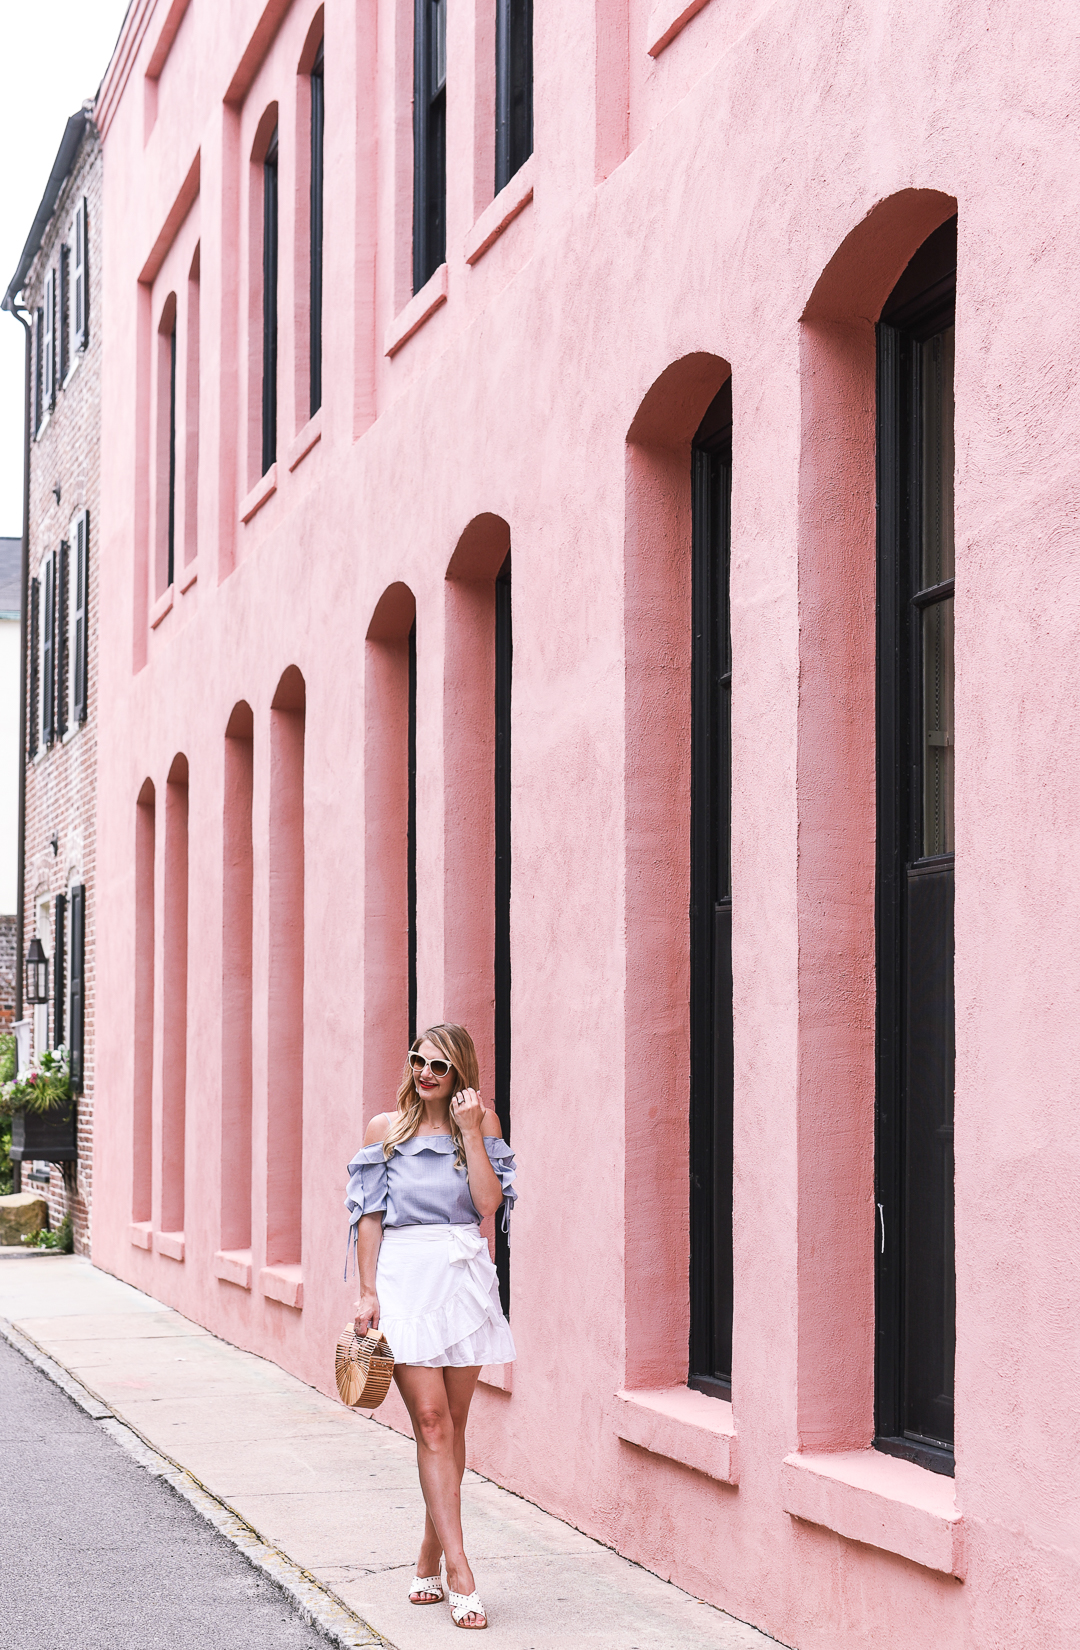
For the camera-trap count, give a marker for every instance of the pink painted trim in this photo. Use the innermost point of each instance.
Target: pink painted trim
(685, 1426)
(431, 297)
(189, 575)
(141, 1233)
(499, 1376)
(667, 19)
(264, 488)
(234, 1266)
(162, 606)
(170, 1244)
(302, 444)
(880, 1501)
(506, 206)
(283, 1283)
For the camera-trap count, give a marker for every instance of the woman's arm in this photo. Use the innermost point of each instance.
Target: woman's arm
(368, 1244)
(475, 1121)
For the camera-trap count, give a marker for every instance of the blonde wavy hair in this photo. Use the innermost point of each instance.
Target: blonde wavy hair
(455, 1044)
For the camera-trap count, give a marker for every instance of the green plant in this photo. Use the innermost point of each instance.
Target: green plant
(62, 1239)
(7, 1072)
(45, 1087)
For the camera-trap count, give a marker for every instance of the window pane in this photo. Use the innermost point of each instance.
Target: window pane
(938, 749)
(937, 457)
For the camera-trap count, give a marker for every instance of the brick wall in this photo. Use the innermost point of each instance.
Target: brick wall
(61, 777)
(8, 966)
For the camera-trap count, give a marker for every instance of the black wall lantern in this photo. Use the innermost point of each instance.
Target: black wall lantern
(37, 973)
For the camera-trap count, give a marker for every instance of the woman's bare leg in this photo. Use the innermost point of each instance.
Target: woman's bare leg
(438, 1403)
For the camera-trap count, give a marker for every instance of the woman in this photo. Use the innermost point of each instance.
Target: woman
(426, 1176)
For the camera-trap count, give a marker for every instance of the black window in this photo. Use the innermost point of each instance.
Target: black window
(318, 120)
(62, 322)
(58, 970)
(48, 343)
(81, 293)
(429, 140)
(915, 1328)
(513, 88)
(410, 846)
(80, 617)
(504, 669)
(48, 653)
(270, 303)
(39, 368)
(35, 665)
(711, 1046)
(171, 531)
(77, 984)
(62, 575)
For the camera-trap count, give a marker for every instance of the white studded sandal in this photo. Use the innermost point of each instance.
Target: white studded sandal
(466, 1604)
(426, 1584)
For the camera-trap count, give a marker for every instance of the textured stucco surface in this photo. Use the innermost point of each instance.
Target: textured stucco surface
(748, 197)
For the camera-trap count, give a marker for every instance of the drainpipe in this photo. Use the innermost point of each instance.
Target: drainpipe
(22, 316)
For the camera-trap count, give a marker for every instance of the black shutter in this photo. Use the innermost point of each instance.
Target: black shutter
(82, 266)
(48, 654)
(39, 357)
(429, 139)
(62, 314)
(270, 303)
(513, 88)
(58, 971)
(78, 969)
(81, 616)
(914, 1250)
(504, 672)
(49, 339)
(62, 574)
(32, 685)
(712, 1069)
(171, 569)
(318, 123)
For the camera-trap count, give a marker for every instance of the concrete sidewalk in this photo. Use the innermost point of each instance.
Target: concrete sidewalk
(337, 1493)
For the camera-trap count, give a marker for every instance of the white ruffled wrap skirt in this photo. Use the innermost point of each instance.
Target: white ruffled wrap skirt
(439, 1298)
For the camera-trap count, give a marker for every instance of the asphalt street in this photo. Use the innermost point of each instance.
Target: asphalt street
(96, 1552)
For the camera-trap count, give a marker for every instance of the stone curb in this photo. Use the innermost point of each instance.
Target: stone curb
(315, 1603)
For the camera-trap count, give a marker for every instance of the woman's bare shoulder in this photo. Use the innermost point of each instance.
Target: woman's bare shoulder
(376, 1129)
(492, 1126)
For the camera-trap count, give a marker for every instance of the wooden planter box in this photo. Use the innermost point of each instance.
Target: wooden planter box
(50, 1138)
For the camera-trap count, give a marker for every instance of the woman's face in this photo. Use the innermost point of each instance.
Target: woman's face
(428, 1085)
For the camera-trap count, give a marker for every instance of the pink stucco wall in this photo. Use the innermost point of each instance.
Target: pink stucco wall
(742, 197)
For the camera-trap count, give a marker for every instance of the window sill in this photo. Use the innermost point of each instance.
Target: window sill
(189, 575)
(420, 308)
(309, 437)
(141, 1234)
(73, 732)
(170, 1244)
(162, 606)
(880, 1501)
(233, 1266)
(500, 1376)
(681, 1425)
(667, 19)
(284, 1284)
(264, 488)
(510, 200)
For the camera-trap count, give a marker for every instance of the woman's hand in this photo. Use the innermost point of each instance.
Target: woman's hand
(367, 1314)
(468, 1111)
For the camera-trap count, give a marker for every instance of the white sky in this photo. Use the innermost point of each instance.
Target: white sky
(56, 52)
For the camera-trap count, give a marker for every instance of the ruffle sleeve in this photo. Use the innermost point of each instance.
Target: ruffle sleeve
(366, 1194)
(502, 1160)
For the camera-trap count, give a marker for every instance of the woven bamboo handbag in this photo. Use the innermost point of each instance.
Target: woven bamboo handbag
(363, 1367)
